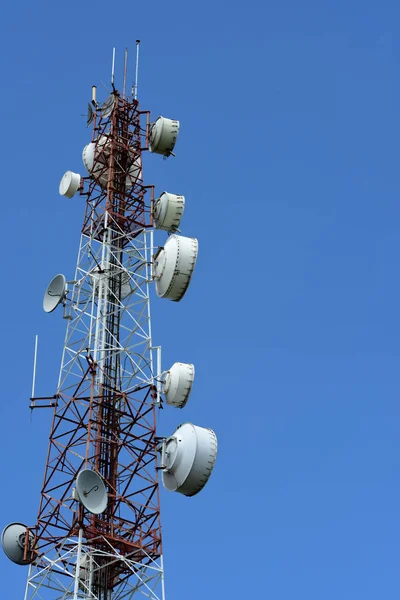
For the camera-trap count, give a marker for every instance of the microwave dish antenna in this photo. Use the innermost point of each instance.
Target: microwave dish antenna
(91, 491)
(163, 136)
(13, 541)
(189, 458)
(168, 211)
(107, 107)
(95, 157)
(90, 115)
(69, 184)
(174, 265)
(55, 293)
(178, 384)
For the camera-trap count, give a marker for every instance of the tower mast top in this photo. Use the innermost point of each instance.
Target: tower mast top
(134, 88)
(113, 69)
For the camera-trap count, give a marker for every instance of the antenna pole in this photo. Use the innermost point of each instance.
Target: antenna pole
(34, 366)
(113, 68)
(125, 69)
(78, 566)
(137, 69)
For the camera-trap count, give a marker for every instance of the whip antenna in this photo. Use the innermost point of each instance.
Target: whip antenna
(137, 69)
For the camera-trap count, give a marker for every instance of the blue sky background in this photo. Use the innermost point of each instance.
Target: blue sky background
(288, 158)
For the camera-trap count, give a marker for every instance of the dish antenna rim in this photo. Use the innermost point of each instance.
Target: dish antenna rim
(90, 115)
(88, 478)
(58, 293)
(108, 106)
(14, 549)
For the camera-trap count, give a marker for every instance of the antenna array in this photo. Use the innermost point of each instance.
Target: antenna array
(98, 530)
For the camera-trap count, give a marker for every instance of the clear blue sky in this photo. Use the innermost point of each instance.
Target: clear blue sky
(288, 157)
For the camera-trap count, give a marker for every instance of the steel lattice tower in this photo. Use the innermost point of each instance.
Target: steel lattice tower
(105, 405)
(90, 544)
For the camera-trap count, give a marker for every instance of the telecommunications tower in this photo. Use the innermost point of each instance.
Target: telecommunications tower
(98, 530)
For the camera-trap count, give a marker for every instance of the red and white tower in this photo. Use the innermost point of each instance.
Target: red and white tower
(98, 530)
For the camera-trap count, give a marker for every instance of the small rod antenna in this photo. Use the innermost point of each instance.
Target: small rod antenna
(137, 69)
(113, 68)
(125, 68)
(34, 366)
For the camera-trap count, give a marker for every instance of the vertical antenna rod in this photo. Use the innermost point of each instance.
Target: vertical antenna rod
(137, 69)
(113, 68)
(34, 366)
(125, 68)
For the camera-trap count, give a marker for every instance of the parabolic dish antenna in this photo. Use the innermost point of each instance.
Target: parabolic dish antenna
(13, 542)
(107, 107)
(168, 211)
(189, 459)
(95, 158)
(163, 136)
(174, 265)
(98, 170)
(55, 293)
(178, 384)
(91, 491)
(69, 184)
(89, 115)
(134, 173)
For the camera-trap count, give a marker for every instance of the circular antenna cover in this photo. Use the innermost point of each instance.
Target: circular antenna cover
(95, 157)
(168, 211)
(90, 114)
(189, 460)
(69, 184)
(13, 542)
(91, 491)
(174, 265)
(163, 136)
(98, 169)
(178, 384)
(107, 107)
(134, 173)
(55, 293)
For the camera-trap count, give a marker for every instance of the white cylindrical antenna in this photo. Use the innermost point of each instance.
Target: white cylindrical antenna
(94, 95)
(34, 366)
(113, 68)
(137, 69)
(78, 566)
(125, 69)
